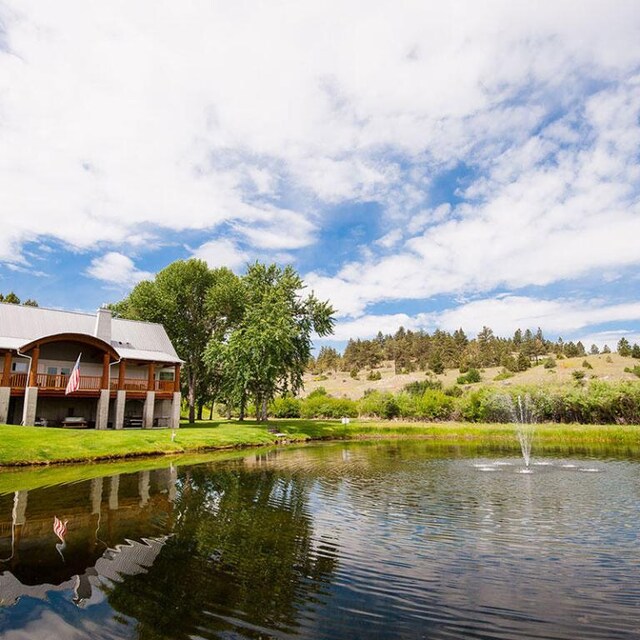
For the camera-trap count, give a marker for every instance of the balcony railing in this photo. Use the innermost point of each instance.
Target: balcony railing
(87, 383)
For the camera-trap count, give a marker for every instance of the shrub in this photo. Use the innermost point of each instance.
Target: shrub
(454, 391)
(326, 406)
(472, 376)
(586, 364)
(374, 375)
(354, 373)
(434, 405)
(504, 375)
(578, 374)
(550, 363)
(380, 405)
(418, 387)
(285, 407)
(320, 391)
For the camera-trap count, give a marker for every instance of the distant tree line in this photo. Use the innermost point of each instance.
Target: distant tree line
(12, 298)
(419, 350)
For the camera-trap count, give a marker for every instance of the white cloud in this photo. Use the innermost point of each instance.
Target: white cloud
(222, 253)
(117, 269)
(123, 117)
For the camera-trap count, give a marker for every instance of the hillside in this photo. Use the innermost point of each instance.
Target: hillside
(608, 367)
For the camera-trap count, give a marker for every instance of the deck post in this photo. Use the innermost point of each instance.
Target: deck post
(148, 411)
(121, 399)
(33, 373)
(5, 396)
(30, 406)
(6, 372)
(175, 410)
(102, 414)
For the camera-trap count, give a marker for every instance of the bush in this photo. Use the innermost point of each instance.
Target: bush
(326, 406)
(550, 363)
(379, 405)
(354, 373)
(586, 364)
(472, 376)
(578, 374)
(434, 405)
(320, 391)
(285, 407)
(418, 387)
(504, 375)
(374, 375)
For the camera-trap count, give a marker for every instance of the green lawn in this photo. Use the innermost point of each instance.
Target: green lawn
(39, 445)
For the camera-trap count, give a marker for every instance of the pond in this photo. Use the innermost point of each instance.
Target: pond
(371, 540)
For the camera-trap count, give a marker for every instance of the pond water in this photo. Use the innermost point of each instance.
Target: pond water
(375, 540)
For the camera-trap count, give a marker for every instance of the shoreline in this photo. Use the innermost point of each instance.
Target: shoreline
(36, 447)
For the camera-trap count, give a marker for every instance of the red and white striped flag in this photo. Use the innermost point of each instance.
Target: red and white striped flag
(74, 378)
(60, 528)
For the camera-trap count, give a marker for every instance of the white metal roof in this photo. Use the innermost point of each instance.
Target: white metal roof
(132, 339)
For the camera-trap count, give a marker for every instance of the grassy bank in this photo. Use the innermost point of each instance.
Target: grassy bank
(38, 445)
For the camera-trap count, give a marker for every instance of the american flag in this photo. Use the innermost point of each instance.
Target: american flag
(60, 528)
(74, 379)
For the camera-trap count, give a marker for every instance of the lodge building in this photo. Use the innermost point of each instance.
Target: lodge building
(129, 370)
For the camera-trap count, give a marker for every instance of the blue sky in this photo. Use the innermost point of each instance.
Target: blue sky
(431, 165)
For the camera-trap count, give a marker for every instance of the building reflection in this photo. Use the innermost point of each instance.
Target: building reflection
(116, 527)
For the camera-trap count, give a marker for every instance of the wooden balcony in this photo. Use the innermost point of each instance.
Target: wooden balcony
(58, 382)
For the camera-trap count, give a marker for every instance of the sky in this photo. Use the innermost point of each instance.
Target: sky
(421, 164)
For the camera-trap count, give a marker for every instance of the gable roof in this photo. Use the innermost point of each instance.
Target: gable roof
(132, 339)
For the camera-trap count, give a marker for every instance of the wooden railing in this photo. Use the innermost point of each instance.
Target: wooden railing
(18, 380)
(87, 383)
(59, 381)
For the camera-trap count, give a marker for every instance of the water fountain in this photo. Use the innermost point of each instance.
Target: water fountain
(524, 418)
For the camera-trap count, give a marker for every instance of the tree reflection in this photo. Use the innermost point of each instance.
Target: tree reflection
(242, 557)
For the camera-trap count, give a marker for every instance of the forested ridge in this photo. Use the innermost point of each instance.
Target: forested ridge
(419, 350)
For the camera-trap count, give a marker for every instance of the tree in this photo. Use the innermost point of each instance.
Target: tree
(267, 352)
(624, 348)
(594, 351)
(188, 299)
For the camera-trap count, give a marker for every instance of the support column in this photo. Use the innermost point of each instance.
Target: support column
(6, 372)
(175, 410)
(18, 519)
(121, 399)
(147, 412)
(106, 360)
(151, 381)
(144, 483)
(30, 406)
(96, 495)
(5, 396)
(122, 368)
(33, 373)
(176, 378)
(113, 493)
(102, 415)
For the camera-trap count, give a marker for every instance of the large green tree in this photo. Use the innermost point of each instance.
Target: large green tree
(266, 352)
(193, 303)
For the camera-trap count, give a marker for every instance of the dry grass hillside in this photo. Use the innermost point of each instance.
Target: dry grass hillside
(604, 367)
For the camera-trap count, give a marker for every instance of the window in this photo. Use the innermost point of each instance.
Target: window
(19, 367)
(166, 375)
(52, 371)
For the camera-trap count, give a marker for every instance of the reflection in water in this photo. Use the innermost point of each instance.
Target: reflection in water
(385, 540)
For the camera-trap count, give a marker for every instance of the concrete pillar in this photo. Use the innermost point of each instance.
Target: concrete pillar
(144, 482)
(173, 483)
(19, 513)
(5, 396)
(147, 412)
(113, 493)
(175, 410)
(121, 399)
(30, 406)
(102, 415)
(96, 495)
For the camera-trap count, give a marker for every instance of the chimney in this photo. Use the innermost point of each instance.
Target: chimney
(103, 325)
